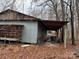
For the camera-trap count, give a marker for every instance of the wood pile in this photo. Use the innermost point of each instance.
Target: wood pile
(11, 31)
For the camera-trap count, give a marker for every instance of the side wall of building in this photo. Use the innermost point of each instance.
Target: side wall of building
(29, 34)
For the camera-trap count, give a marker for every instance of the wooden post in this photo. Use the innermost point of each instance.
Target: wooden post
(57, 33)
(9, 42)
(65, 39)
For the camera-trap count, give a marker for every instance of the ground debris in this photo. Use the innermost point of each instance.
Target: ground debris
(36, 52)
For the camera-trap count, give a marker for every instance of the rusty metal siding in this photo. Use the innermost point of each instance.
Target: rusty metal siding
(14, 15)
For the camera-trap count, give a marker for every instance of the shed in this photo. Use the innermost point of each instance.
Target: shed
(33, 28)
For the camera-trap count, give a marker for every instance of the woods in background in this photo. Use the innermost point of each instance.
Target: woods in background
(65, 10)
(59, 10)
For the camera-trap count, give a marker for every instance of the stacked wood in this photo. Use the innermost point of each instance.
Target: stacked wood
(11, 31)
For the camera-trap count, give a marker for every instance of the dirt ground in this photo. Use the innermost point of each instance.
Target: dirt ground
(46, 51)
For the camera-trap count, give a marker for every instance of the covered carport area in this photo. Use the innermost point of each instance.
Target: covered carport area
(55, 26)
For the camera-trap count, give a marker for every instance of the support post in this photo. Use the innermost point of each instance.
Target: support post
(65, 39)
(57, 33)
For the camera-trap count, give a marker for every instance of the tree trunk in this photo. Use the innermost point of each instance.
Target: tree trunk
(77, 9)
(63, 18)
(72, 23)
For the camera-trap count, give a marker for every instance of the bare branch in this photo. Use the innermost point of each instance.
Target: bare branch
(66, 3)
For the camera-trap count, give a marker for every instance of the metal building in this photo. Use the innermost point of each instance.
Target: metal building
(31, 29)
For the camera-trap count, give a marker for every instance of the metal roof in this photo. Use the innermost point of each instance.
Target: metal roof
(53, 25)
(49, 24)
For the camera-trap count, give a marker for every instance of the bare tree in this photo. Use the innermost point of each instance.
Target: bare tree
(63, 17)
(54, 7)
(72, 20)
(77, 9)
(7, 4)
